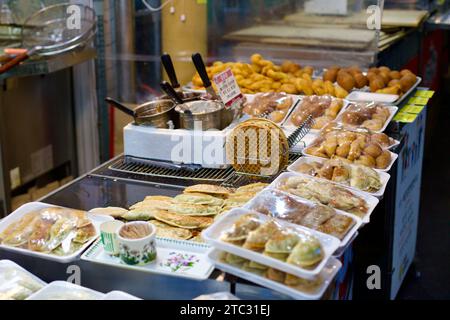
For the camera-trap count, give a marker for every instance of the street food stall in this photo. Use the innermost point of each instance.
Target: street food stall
(287, 165)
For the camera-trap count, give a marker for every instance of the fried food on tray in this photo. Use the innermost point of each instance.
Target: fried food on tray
(45, 231)
(350, 147)
(274, 105)
(323, 109)
(183, 221)
(208, 189)
(372, 118)
(273, 240)
(325, 193)
(356, 176)
(163, 230)
(302, 212)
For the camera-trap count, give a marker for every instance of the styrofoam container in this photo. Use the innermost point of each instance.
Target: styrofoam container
(392, 111)
(343, 243)
(394, 157)
(384, 177)
(328, 273)
(288, 125)
(295, 101)
(213, 236)
(97, 220)
(364, 95)
(119, 295)
(61, 290)
(371, 201)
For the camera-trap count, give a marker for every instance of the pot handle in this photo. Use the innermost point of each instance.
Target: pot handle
(121, 107)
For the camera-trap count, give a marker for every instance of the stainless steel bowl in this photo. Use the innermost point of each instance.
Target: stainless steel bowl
(204, 115)
(156, 114)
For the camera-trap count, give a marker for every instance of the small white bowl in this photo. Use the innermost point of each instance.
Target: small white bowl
(138, 252)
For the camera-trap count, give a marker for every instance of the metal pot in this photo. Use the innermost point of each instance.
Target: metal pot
(157, 114)
(204, 115)
(186, 96)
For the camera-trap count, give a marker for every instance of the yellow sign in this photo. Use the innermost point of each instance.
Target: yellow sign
(405, 117)
(419, 101)
(424, 94)
(412, 109)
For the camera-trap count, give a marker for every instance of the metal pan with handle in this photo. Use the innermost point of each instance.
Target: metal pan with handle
(157, 114)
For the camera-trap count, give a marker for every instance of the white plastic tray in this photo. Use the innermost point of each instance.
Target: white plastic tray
(343, 243)
(392, 111)
(295, 101)
(166, 249)
(119, 295)
(19, 275)
(328, 273)
(61, 290)
(371, 201)
(213, 236)
(384, 177)
(379, 97)
(394, 157)
(288, 125)
(97, 220)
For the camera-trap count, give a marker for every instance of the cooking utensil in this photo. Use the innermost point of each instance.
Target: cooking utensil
(203, 115)
(156, 114)
(168, 66)
(48, 32)
(170, 91)
(201, 69)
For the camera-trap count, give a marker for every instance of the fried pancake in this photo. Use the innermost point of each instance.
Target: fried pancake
(163, 230)
(198, 198)
(254, 187)
(208, 189)
(183, 221)
(141, 214)
(193, 209)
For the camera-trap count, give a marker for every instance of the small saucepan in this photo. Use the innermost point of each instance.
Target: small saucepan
(157, 114)
(204, 115)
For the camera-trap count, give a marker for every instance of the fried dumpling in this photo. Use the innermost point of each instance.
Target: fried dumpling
(276, 275)
(194, 209)
(282, 242)
(365, 178)
(338, 226)
(85, 233)
(199, 199)
(208, 189)
(183, 221)
(234, 259)
(248, 268)
(307, 253)
(257, 239)
(305, 285)
(256, 265)
(18, 233)
(241, 228)
(163, 230)
(317, 216)
(59, 231)
(155, 202)
(41, 235)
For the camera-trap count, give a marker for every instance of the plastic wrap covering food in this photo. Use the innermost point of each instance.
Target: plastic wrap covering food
(323, 109)
(58, 231)
(371, 117)
(381, 138)
(305, 213)
(350, 147)
(274, 105)
(273, 240)
(356, 176)
(15, 283)
(325, 193)
(60, 290)
(300, 284)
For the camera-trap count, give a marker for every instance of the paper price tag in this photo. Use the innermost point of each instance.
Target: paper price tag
(420, 101)
(412, 109)
(229, 90)
(424, 94)
(405, 117)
